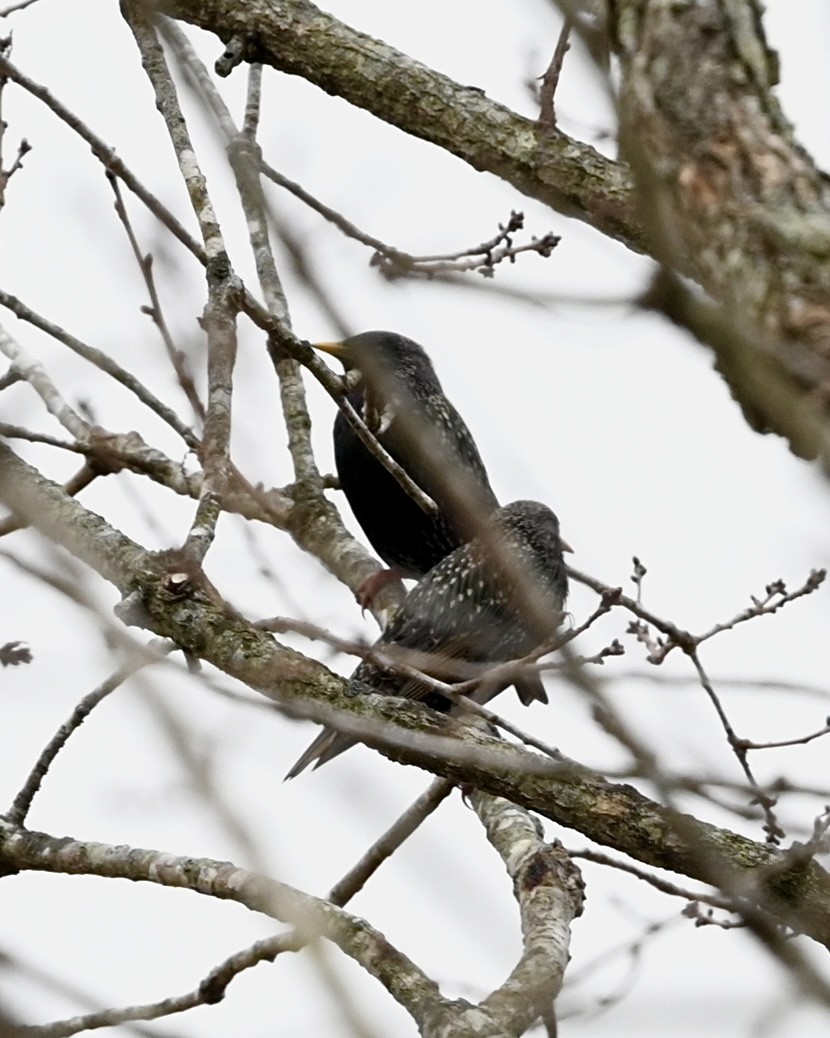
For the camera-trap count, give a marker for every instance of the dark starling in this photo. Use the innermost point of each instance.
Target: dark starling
(399, 397)
(492, 600)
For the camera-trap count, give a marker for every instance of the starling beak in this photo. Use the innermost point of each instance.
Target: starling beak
(492, 600)
(399, 397)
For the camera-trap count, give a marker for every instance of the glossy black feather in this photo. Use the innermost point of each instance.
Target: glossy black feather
(489, 601)
(401, 399)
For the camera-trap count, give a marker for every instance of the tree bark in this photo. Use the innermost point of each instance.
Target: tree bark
(717, 189)
(732, 199)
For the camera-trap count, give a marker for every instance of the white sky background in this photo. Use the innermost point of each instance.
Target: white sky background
(612, 417)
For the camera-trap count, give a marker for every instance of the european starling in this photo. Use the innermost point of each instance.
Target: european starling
(399, 397)
(489, 601)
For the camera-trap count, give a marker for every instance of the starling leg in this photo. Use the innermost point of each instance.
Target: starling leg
(372, 586)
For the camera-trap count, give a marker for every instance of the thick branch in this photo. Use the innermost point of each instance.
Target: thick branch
(182, 605)
(298, 38)
(310, 915)
(730, 196)
(550, 891)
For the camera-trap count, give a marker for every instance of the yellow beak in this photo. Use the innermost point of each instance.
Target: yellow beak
(334, 349)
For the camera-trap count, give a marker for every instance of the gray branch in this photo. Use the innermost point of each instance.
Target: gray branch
(296, 37)
(166, 597)
(727, 195)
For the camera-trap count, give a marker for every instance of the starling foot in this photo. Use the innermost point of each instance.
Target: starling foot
(372, 586)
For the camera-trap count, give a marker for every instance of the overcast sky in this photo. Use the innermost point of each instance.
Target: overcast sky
(609, 415)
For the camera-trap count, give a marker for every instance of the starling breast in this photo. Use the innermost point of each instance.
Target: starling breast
(399, 397)
(494, 599)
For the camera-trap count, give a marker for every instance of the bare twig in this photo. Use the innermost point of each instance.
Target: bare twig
(105, 363)
(145, 264)
(802, 740)
(776, 597)
(771, 827)
(17, 432)
(394, 263)
(23, 801)
(664, 886)
(383, 848)
(36, 376)
(24, 146)
(550, 80)
(483, 258)
(675, 636)
(106, 156)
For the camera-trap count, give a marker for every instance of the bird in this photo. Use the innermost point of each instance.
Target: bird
(492, 600)
(396, 391)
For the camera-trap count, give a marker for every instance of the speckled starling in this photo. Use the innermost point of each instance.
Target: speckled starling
(399, 397)
(492, 600)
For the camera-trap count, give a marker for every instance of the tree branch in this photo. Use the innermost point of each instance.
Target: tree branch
(732, 198)
(298, 38)
(180, 604)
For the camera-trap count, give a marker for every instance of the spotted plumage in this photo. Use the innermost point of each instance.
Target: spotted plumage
(489, 601)
(401, 400)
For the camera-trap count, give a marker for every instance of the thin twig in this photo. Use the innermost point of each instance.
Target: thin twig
(802, 740)
(771, 827)
(356, 878)
(776, 597)
(676, 636)
(145, 264)
(105, 363)
(106, 156)
(17, 432)
(664, 886)
(23, 801)
(550, 80)
(395, 263)
(35, 375)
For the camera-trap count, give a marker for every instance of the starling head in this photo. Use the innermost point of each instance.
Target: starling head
(383, 358)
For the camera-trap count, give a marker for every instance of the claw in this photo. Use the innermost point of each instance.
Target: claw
(372, 586)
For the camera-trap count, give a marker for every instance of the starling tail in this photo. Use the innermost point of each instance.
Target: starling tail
(492, 600)
(401, 400)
